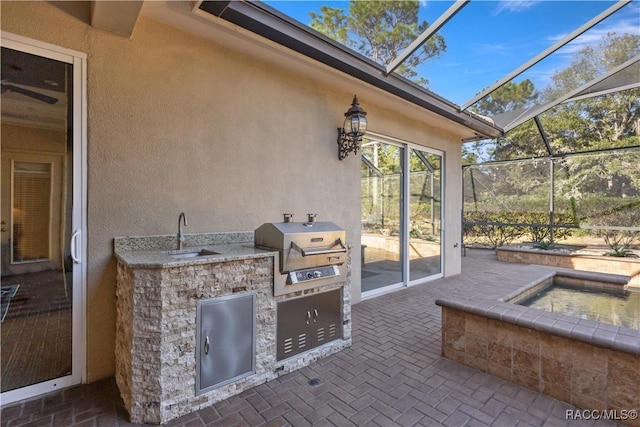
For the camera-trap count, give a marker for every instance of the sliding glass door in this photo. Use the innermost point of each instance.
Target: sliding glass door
(401, 194)
(425, 170)
(382, 225)
(42, 194)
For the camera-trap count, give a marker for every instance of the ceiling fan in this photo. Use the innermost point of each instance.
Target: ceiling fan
(27, 92)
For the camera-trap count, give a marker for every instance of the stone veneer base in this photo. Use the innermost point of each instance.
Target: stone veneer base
(156, 333)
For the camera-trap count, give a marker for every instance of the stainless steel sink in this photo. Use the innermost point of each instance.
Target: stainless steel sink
(192, 254)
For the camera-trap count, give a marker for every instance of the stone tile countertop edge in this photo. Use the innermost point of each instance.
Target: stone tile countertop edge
(156, 251)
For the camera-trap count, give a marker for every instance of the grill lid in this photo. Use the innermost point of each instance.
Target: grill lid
(282, 228)
(303, 245)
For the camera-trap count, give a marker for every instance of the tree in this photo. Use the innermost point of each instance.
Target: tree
(508, 97)
(380, 30)
(333, 23)
(523, 141)
(593, 61)
(607, 121)
(610, 118)
(597, 188)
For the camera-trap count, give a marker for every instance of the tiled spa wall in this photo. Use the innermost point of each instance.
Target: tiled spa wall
(587, 376)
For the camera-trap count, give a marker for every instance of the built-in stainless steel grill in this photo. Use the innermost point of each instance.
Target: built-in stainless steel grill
(312, 253)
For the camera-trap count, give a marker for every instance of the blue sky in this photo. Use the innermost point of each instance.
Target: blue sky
(488, 39)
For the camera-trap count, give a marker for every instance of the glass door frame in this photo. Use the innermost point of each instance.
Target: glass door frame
(407, 213)
(78, 61)
(406, 148)
(403, 241)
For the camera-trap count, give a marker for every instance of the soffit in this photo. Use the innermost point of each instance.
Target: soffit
(118, 17)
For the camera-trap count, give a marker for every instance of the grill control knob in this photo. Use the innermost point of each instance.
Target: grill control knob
(317, 274)
(309, 275)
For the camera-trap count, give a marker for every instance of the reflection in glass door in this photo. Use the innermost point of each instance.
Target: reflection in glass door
(424, 214)
(382, 230)
(401, 196)
(41, 269)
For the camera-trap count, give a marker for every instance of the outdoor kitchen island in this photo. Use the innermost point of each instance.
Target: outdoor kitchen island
(166, 349)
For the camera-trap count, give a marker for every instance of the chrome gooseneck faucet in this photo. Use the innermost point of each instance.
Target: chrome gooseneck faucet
(182, 219)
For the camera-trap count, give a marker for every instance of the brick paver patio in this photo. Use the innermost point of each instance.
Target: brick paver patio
(393, 375)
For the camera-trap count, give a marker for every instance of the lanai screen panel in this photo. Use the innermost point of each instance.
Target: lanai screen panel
(506, 202)
(569, 71)
(487, 40)
(577, 196)
(591, 124)
(627, 78)
(544, 52)
(505, 188)
(600, 189)
(478, 45)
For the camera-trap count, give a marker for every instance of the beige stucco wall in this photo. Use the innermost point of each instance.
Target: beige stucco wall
(177, 123)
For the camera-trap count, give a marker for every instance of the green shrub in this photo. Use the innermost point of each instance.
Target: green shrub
(545, 246)
(495, 229)
(621, 241)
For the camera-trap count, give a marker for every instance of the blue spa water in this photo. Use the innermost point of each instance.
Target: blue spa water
(621, 309)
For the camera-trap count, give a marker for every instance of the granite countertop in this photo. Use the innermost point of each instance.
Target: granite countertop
(160, 251)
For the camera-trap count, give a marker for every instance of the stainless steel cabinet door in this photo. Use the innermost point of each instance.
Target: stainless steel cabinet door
(326, 317)
(293, 333)
(308, 322)
(226, 340)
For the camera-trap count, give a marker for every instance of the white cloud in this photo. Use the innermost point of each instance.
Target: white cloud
(514, 6)
(494, 48)
(595, 35)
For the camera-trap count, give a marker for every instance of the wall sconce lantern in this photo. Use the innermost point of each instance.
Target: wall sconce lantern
(355, 125)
